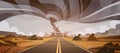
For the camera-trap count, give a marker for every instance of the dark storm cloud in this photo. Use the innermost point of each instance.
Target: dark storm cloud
(68, 9)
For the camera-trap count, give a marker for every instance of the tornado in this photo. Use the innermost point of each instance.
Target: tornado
(56, 29)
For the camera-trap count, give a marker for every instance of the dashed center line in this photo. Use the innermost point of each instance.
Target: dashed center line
(58, 49)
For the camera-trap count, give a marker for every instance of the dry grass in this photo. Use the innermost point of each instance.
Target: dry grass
(92, 44)
(10, 49)
(117, 51)
(24, 43)
(21, 45)
(89, 44)
(2, 36)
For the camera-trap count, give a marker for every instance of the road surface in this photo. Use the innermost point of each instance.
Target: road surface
(57, 45)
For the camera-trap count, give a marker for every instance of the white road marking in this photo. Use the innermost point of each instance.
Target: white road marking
(33, 47)
(78, 46)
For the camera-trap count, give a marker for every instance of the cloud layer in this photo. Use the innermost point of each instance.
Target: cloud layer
(29, 24)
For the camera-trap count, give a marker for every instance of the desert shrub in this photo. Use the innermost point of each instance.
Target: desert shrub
(108, 44)
(18, 39)
(92, 38)
(7, 39)
(33, 37)
(10, 43)
(24, 37)
(77, 37)
(107, 48)
(2, 43)
(117, 44)
(10, 36)
(7, 43)
(40, 38)
(103, 50)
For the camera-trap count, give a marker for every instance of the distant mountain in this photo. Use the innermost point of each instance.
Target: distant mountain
(7, 33)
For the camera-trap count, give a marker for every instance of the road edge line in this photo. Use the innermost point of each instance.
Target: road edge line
(78, 46)
(32, 47)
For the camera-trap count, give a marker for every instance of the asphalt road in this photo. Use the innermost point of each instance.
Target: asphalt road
(68, 47)
(47, 47)
(55, 46)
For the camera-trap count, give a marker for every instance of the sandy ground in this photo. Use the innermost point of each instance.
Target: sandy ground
(26, 43)
(89, 44)
(21, 45)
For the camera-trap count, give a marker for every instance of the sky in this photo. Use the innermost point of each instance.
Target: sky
(30, 24)
(77, 17)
